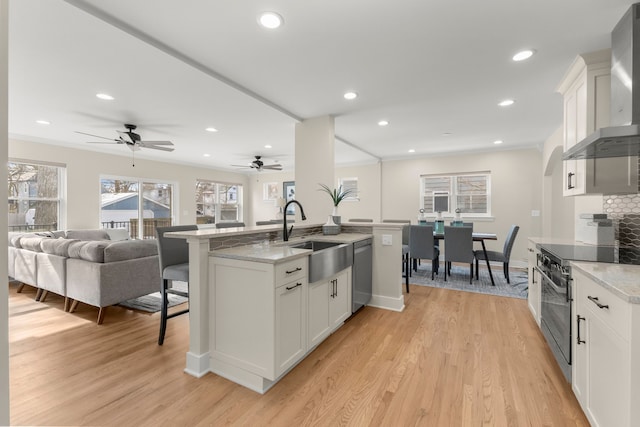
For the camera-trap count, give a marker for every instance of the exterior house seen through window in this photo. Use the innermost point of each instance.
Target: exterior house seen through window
(218, 202)
(35, 196)
(471, 193)
(127, 203)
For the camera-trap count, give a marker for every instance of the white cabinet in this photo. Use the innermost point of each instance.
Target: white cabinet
(605, 354)
(329, 306)
(259, 313)
(586, 91)
(534, 294)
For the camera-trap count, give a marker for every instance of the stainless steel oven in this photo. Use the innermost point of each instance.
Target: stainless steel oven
(555, 313)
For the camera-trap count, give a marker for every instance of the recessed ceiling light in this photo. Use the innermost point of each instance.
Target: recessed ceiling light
(267, 146)
(383, 123)
(524, 54)
(105, 96)
(270, 20)
(211, 130)
(498, 142)
(350, 95)
(207, 155)
(43, 122)
(412, 150)
(506, 102)
(446, 134)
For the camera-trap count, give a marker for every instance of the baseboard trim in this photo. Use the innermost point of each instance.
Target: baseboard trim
(198, 364)
(387, 303)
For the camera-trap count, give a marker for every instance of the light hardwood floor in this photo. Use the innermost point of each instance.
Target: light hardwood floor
(450, 359)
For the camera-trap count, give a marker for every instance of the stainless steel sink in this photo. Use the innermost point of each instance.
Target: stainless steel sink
(327, 258)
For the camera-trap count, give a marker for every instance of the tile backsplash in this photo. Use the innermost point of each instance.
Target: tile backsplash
(624, 210)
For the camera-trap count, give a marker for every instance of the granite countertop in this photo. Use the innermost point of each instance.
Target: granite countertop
(276, 252)
(621, 279)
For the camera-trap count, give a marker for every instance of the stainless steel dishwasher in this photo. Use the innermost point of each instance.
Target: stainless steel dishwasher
(362, 277)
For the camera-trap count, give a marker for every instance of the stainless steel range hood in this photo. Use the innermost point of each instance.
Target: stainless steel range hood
(622, 138)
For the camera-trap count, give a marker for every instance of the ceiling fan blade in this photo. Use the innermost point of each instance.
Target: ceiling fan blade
(155, 147)
(243, 166)
(156, 142)
(95, 136)
(273, 167)
(103, 142)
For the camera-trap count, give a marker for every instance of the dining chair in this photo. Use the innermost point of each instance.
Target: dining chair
(229, 224)
(421, 246)
(173, 257)
(458, 247)
(503, 256)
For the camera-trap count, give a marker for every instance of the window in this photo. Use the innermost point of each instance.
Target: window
(126, 203)
(471, 193)
(35, 196)
(350, 184)
(218, 202)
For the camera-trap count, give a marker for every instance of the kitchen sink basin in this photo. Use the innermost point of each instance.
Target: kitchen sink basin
(327, 258)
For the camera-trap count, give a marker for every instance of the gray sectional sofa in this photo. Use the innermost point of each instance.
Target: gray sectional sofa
(88, 266)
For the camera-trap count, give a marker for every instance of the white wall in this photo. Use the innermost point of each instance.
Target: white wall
(516, 190)
(265, 210)
(4, 297)
(84, 169)
(557, 210)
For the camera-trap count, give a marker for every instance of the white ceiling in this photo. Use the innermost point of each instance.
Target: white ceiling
(177, 67)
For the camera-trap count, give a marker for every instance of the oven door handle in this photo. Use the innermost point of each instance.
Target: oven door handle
(556, 287)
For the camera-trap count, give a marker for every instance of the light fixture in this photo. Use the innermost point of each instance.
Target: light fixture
(350, 95)
(446, 134)
(506, 103)
(105, 96)
(206, 155)
(267, 146)
(412, 150)
(498, 142)
(270, 20)
(211, 129)
(383, 123)
(43, 122)
(523, 54)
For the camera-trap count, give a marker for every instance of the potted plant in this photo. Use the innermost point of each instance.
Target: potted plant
(337, 195)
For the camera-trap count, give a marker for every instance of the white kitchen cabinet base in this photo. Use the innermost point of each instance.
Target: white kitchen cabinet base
(243, 377)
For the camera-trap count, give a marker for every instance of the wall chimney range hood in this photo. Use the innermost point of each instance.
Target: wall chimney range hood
(622, 138)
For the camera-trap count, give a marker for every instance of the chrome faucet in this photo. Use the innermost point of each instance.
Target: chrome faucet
(286, 233)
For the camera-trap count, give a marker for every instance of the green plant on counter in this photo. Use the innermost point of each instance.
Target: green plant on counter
(337, 194)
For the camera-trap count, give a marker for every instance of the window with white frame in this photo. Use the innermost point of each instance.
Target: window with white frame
(350, 184)
(129, 202)
(218, 202)
(469, 192)
(35, 195)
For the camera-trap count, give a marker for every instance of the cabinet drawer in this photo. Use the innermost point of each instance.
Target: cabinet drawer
(291, 270)
(616, 316)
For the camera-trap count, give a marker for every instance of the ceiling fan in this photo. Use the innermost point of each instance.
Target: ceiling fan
(259, 165)
(131, 140)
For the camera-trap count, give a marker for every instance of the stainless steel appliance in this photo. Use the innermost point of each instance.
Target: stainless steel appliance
(555, 282)
(362, 274)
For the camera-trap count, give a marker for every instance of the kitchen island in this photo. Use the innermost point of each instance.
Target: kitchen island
(246, 268)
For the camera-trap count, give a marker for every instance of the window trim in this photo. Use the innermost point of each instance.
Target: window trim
(453, 194)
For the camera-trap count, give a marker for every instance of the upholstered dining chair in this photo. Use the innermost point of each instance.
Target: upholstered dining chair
(421, 246)
(503, 256)
(229, 224)
(173, 256)
(458, 247)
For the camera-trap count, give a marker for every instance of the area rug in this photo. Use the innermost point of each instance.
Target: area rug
(153, 302)
(459, 280)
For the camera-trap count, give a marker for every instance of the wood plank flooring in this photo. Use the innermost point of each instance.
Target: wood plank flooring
(450, 359)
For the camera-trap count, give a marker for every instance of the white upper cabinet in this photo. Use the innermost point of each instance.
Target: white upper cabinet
(586, 91)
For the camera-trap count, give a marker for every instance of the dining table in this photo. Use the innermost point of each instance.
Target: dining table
(477, 237)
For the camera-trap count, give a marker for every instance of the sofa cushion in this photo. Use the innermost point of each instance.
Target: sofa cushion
(92, 250)
(116, 234)
(14, 239)
(32, 243)
(59, 247)
(130, 249)
(87, 234)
